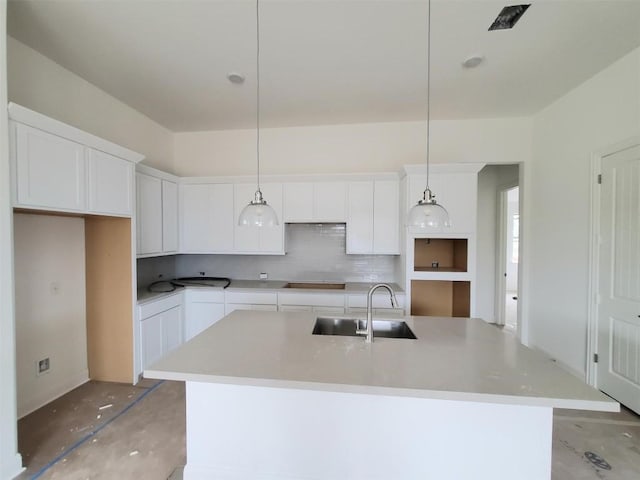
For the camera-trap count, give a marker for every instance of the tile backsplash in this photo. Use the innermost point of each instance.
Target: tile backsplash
(315, 252)
(153, 269)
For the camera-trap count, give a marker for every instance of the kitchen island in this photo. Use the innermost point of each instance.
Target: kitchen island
(266, 399)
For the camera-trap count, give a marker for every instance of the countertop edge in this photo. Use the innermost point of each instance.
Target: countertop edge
(516, 400)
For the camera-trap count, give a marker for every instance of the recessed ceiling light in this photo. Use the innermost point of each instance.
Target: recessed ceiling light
(235, 78)
(473, 62)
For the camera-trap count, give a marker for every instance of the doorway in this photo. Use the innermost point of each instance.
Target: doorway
(509, 250)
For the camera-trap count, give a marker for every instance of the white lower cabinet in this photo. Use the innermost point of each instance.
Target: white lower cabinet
(161, 328)
(203, 308)
(318, 303)
(265, 301)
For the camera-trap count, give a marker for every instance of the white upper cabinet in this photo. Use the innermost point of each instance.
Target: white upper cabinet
(320, 201)
(360, 218)
(386, 217)
(206, 218)
(258, 239)
(157, 212)
(330, 202)
(373, 218)
(50, 170)
(298, 202)
(149, 218)
(169, 216)
(57, 167)
(110, 184)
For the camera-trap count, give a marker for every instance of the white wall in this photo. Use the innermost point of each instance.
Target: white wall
(372, 147)
(601, 112)
(10, 459)
(50, 307)
(40, 84)
(490, 179)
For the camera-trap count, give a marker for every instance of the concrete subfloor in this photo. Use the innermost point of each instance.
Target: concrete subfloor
(142, 436)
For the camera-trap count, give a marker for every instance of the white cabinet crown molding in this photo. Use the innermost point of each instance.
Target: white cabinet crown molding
(37, 120)
(154, 172)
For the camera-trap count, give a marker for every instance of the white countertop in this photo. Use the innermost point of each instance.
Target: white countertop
(452, 359)
(144, 295)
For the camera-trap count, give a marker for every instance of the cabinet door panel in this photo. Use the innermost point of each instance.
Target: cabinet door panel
(298, 202)
(50, 170)
(360, 218)
(169, 216)
(198, 228)
(149, 218)
(151, 340)
(386, 221)
(330, 199)
(222, 217)
(172, 329)
(110, 184)
(200, 316)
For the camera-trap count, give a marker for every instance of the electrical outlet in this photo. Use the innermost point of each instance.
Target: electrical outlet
(263, 276)
(43, 366)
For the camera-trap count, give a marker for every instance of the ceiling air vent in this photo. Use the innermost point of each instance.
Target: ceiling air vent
(508, 17)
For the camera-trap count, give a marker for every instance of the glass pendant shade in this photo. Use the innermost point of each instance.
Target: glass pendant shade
(258, 213)
(427, 213)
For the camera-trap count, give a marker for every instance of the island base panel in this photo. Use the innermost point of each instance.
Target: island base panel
(238, 432)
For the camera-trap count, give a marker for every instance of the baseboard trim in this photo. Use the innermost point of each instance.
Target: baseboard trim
(41, 400)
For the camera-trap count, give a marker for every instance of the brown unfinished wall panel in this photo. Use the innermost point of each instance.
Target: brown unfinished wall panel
(460, 255)
(461, 299)
(431, 298)
(449, 253)
(440, 298)
(109, 298)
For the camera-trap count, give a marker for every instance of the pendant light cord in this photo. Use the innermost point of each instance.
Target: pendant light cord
(428, 89)
(258, 91)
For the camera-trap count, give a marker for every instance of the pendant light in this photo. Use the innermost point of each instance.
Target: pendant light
(258, 213)
(428, 213)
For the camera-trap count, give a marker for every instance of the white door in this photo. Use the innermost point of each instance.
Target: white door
(618, 369)
(198, 225)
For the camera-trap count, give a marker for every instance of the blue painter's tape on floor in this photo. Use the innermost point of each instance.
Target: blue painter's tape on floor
(83, 440)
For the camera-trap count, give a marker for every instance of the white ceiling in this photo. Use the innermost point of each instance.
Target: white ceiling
(326, 62)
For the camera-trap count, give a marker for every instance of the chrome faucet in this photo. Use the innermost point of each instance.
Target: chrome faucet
(394, 303)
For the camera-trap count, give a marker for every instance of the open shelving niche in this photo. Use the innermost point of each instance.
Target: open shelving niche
(440, 272)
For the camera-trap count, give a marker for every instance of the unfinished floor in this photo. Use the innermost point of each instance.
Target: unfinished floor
(107, 431)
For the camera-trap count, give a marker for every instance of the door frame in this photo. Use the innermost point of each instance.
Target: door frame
(501, 254)
(597, 157)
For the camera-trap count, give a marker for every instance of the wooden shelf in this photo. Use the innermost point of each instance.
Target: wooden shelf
(438, 269)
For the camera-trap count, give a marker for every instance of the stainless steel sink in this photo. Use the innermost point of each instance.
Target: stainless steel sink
(316, 286)
(348, 327)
